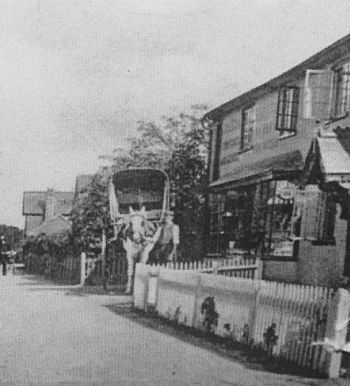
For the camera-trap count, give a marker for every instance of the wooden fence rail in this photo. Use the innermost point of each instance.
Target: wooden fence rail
(249, 268)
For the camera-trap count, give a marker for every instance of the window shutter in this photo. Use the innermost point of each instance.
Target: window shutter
(295, 108)
(327, 223)
(217, 154)
(318, 94)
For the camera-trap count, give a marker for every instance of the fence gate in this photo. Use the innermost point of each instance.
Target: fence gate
(117, 265)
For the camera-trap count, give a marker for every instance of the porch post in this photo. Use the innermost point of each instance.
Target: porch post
(336, 328)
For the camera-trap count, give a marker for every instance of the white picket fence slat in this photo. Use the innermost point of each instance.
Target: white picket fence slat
(234, 267)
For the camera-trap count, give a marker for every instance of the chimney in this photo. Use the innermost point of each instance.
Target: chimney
(50, 205)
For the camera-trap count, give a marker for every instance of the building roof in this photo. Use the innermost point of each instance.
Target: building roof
(56, 224)
(82, 182)
(286, 162)
(34, 202)
(320, 59)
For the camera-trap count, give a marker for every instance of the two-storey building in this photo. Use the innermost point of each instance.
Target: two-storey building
(279, 171)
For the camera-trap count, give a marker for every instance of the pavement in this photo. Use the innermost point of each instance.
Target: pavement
(52, 335)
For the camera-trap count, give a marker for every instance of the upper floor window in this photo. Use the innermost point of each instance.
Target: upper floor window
(342, 90)
(248, 127)
(287, 109)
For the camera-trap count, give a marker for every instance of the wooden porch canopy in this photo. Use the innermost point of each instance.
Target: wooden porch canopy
(279, 166)
(328, 164)
(328, 160)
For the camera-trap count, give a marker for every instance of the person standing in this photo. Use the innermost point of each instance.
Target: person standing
(166, 239)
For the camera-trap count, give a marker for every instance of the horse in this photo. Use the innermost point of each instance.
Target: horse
(137, 235)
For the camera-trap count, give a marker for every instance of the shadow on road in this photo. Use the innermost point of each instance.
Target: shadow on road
(233, 351)
(38, 283)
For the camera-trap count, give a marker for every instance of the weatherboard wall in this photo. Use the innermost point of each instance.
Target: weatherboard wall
(267, 141)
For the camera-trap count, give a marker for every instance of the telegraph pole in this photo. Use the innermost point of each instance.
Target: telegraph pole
(103, 258)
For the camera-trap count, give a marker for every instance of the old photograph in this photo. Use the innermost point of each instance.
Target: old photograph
(175, 192)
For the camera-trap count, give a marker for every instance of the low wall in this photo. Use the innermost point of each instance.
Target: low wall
(282, 319)
(279, 270)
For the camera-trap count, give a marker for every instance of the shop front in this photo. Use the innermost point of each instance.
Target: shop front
(253, 219)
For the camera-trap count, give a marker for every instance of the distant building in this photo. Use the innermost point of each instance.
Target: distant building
(279, 172)
(46, 212)
(82, 184)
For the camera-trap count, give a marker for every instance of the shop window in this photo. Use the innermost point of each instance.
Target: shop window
(217, 242)
(248, 128)
(342, 90)
(277, 242)
(230, 221)
(287, 110)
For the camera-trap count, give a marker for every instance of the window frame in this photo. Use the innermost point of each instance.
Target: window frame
(287, 110)
(216, 228)
(344, 109)
(249, 145)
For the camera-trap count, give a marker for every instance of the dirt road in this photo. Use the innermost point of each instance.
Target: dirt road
(51, 335)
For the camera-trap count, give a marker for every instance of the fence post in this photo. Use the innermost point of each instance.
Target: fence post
(254, 314)
(195, 300)
(259, 269)
(215, 268)
(82, 268)
(152, 290)
(336, 328)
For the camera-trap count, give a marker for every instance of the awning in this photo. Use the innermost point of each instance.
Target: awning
(268, 168)
(334, 160)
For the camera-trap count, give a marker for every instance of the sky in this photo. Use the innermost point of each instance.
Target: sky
(77, 75)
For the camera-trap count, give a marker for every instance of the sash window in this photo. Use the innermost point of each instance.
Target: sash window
(248, 128)
(287, 109)
(342, 92)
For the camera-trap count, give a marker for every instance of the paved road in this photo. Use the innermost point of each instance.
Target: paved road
(49, 336)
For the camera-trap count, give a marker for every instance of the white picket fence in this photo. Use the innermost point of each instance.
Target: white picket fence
(249, 310)
(247, 267)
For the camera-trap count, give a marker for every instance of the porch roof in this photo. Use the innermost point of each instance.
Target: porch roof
(334, 160)
(261, 170)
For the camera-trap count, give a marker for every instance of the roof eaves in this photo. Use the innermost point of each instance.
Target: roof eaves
(317, 59)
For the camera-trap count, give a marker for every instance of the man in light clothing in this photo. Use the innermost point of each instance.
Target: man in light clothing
(166, 238)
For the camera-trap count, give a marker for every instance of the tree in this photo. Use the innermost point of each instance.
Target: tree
(188, 176)
(179, 147)
(90, 215)
(12, 234)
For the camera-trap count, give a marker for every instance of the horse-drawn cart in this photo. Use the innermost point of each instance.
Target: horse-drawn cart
(137, 188)
(138, 201)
